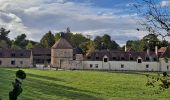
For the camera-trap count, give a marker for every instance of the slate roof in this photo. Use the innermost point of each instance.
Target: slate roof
(11, 53)
(62, 43)
(119, 55)
(41, 51)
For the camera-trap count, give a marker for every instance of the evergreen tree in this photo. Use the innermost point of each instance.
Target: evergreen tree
(48, 40)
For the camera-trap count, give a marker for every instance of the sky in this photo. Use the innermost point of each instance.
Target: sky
(89, 17)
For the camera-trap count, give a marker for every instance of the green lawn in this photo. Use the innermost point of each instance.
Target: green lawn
(80, 85)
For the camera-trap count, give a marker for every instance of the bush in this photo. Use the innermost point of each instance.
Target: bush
(21, 74)
(17, 89)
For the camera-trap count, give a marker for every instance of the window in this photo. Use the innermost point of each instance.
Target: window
(122, 58)
(21, 62)
(12, 54)
(154, 59)
(147, 66)
(91, 65)
(167, 67)
(12, 62)
(97, 58)
(131, 58)
(21, 54)
(139, 60)
(105, 59)
(0, 62)
(0, 54)
(96, 65)
(88, 57)
(122, 65)
(114, 58)
(147, 58)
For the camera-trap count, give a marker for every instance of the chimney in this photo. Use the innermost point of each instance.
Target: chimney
(148, 52)
(156, 50)
(125, 48)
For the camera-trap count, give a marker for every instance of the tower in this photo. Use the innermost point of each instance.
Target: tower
(61, 53)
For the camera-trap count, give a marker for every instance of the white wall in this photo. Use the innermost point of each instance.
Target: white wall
(164, 65)
(122, 65)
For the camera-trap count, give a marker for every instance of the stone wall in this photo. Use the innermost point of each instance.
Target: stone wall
(61, 56)
(19, 62)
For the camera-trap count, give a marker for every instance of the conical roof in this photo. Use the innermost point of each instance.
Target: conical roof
(62, 43)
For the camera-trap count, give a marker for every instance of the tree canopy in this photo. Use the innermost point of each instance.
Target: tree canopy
(48, 40)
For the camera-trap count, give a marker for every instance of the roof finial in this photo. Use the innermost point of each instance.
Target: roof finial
(62, 34)
(68, 30)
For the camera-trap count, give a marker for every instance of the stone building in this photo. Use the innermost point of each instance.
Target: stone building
(15, 58)
(40, 56)
(62, 54)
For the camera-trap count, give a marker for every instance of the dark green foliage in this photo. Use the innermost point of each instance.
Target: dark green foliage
(163, 81)
(47, 40)
(148, 41)
(4, 36)
(105, 42)
(21, 74)
(17, 89)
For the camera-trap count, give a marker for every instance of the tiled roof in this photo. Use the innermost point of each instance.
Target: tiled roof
(118, 55)
(10, 53)
(62, 43)
(41, 51)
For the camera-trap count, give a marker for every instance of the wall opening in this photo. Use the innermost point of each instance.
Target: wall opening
(105, 60)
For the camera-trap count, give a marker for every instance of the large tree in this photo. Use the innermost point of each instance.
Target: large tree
(21, 41)
(4, 36)
(155, 16)
(105, 42)
(48, 40)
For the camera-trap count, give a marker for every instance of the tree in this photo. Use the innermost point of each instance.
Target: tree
(90, 46)
(57, 36)
(150, 41)
(105, 42)
(137, 45)
(29, 46)
(98, 42)
(4, 36)
(21, 41)
(78, 39)
(17, 89)
(156, 17)
(48, 40)
(3, 44)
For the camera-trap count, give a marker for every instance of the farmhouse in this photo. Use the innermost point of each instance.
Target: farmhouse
(62, 55)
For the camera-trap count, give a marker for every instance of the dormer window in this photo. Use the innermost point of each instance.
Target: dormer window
(97, 58)
(139, 60)
(105, 60)
(12, 54)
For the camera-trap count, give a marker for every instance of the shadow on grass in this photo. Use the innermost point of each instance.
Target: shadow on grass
(35, 87)
(133, 72)
(45, 77)
(57, 90)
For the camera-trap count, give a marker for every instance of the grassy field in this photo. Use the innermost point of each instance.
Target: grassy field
(80, 85)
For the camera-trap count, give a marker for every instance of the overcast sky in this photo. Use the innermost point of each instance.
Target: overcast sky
(90, 17)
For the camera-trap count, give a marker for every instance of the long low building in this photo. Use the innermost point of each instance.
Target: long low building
(15, 58)
(63, 56)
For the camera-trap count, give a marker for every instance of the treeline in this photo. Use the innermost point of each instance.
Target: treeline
(148, 41)
(48, 40)
(80, 41)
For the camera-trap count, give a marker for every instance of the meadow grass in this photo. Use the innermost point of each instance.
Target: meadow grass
(80, 85)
